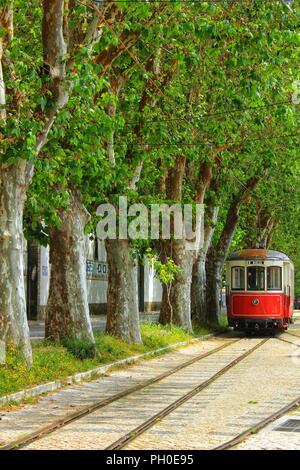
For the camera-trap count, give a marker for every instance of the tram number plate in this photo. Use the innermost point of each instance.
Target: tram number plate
(256, 262)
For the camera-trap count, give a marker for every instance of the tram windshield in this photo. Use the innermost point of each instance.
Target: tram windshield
(256, 278)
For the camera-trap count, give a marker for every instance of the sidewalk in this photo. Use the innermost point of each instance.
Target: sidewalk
(37, 328)
(16, 422)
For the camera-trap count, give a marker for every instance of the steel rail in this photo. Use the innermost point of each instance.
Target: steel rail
(43, 431)
(287, 341)
(132, 435)
(256, 427)
(264, 422)
(292, 334)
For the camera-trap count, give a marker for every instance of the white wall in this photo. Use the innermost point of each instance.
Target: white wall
(96, 287)
(153, 288)
(44, 275)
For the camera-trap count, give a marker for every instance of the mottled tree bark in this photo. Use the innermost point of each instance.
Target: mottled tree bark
(198, 291)
(13, 321)
(14, 182)
(15, 179)
(13, 185)
(262, 228)
(122, 293)
(204, 179)
(214, 270)
(218, 252)
(67, 311)
(176, 301)
(198, 288)
(270, 233)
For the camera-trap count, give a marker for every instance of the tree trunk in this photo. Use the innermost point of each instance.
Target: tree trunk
(198, 289)
(176, 301)
(122, 293)
(15, 179)
(216, 257)
(13, 320)
(198, 292)
(218, 252)
(214, 270)
(67, 311)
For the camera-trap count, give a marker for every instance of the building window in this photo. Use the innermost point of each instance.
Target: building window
(274, 278)
(238, 278)
(96, 249)
(255, 278)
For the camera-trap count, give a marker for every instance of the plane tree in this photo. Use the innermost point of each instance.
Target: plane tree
(38, 48)
(88, 165)
(258, 77)
(42, 49)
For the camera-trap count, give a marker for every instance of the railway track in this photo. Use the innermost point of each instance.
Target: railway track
(146, 425)
(260, 425)
(121, 443)
(287, 341)
(292, 334)
(138, 431)
(269, 419)
(43, 431)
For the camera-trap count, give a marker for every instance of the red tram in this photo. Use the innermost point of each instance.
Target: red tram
(259, 290)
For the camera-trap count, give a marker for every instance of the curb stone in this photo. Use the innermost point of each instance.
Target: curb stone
(89, 374)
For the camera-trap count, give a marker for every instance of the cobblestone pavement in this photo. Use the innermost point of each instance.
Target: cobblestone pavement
(270, 439)
(261, 384)
(16, 423)
(103, 427)
(249, 392)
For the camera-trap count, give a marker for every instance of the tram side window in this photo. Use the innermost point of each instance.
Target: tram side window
(255, 278)
(238, 278)
(274, 278)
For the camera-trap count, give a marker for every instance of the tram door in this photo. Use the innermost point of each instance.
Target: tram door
(32, 281)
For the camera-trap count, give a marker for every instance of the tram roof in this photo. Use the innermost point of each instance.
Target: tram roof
(258, 253)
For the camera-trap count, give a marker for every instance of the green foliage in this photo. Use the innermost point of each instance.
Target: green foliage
(196, 81)
(56, 362)
(81, 348)
(210, 81)
(164, 272)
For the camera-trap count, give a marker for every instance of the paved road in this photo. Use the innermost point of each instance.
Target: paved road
(259, 385)
(37, 329)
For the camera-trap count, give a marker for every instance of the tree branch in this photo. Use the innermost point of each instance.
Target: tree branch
(55, 47)
(6, 24)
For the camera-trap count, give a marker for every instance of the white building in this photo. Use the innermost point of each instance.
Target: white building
(38, 281)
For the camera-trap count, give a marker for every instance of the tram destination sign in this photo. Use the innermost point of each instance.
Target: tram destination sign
(256, 262)
(96, 270)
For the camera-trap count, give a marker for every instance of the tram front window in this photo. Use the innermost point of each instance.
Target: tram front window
(274, 278)
(256, 278)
